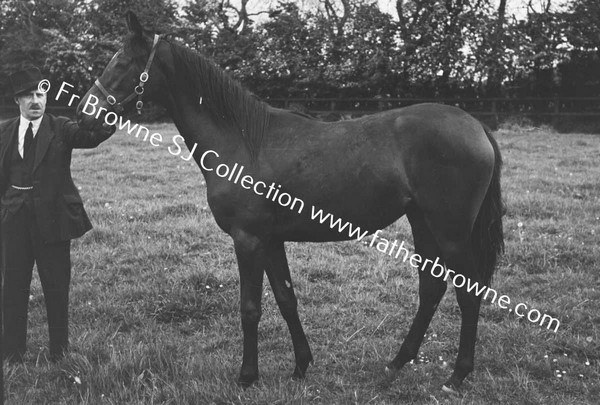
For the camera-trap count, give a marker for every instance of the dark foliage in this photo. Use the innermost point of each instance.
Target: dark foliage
(470, 48)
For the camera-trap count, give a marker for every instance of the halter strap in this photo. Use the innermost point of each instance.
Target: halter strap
(137, 91)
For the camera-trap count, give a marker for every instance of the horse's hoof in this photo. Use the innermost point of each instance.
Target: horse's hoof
(391, 372)
(246, 382)
(301, 367)
(299, 374)
(449, 389)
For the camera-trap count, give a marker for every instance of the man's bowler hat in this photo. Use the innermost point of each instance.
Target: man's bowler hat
(25, 80)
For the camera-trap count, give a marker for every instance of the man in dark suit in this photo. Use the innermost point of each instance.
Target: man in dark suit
(40, 212)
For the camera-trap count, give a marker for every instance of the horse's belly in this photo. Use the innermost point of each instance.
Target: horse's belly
(349, 218)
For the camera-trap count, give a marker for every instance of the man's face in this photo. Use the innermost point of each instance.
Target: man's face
(32, 104)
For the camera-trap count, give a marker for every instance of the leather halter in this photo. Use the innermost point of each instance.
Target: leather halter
(137, 91)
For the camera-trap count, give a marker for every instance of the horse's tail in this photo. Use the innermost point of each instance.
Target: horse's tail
(487, 237)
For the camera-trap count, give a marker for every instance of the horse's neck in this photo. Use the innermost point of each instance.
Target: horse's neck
(197, 126)
(195, 122)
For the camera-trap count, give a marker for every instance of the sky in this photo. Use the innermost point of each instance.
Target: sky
(518, 8)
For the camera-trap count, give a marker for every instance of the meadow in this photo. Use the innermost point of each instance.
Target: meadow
(155, 295)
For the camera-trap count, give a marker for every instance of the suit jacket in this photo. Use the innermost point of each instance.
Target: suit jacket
(57, 205)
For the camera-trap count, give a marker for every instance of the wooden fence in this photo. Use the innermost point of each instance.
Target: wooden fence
(491, 110)
(496, 109)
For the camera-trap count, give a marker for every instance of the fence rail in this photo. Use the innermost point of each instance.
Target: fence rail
(491, 109)
(530, 106)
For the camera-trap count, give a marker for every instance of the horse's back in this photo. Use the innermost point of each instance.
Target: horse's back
(428, 121)
(368, 170)
(423, 137)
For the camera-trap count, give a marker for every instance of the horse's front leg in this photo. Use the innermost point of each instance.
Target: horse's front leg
(250, 256)
(278, 272)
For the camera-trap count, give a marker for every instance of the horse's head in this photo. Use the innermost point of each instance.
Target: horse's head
(130, 78)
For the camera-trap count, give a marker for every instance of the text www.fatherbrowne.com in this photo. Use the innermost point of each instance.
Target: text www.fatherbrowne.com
(460, 281)
(272, 192)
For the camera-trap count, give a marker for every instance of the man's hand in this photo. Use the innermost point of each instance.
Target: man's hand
(109, 128)
(100, 125)
(89, 136)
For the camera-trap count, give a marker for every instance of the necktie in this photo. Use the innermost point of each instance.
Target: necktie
(28, 140)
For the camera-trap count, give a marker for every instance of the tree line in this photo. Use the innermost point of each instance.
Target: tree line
(328, 48)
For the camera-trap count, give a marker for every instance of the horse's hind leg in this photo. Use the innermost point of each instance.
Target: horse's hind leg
(452, 231)
(278, 272)
(431, 291)
(462, 260)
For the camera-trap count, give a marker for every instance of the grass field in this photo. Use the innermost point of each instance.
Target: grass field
(154, 296)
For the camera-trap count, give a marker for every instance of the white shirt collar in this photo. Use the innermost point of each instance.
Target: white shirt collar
(24, 123)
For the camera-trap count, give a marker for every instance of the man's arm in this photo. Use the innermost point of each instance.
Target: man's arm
(83, 138)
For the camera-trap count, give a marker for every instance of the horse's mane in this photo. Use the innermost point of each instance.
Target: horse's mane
(225, 98)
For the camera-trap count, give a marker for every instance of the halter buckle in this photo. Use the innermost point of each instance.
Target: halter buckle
(138, 90)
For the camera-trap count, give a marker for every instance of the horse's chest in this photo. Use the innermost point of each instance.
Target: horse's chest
(236, 207)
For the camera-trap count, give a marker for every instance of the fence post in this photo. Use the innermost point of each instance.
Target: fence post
(495, 114)
(555, 118)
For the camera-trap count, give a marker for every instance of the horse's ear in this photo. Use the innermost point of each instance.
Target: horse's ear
(134, 24)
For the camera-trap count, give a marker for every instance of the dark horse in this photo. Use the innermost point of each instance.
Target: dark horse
(434, 163)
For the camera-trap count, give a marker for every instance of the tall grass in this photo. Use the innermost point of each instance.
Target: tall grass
(154, 296)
